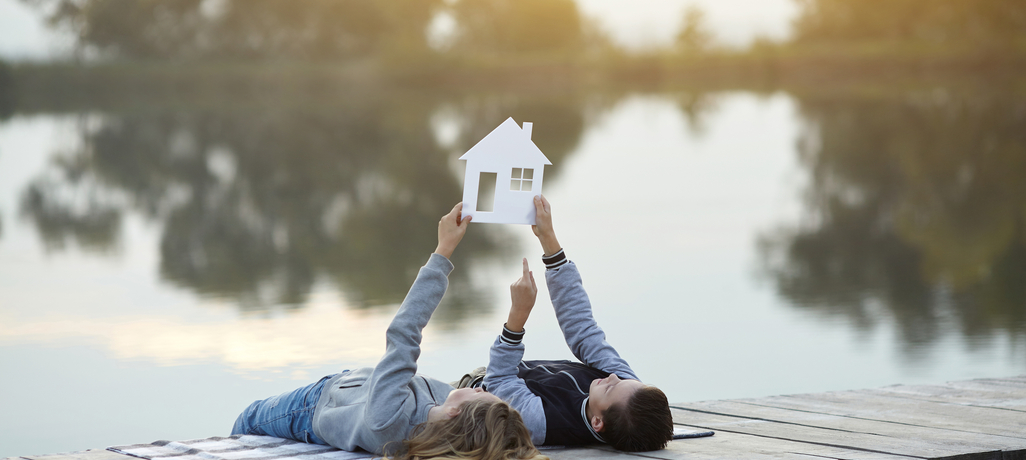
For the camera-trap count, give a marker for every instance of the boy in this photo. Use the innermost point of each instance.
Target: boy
(566, 403)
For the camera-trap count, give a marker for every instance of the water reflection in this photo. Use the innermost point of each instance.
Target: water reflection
(253, 345)
(915, 207)
(916, 212)
(695, 106)
(257, 204)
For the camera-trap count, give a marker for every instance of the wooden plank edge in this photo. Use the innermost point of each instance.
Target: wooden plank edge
(839, 446)
(894, 393)
(893, 422)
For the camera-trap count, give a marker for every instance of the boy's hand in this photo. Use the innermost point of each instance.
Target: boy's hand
(524, 291)
(543, 226)
(451, 229)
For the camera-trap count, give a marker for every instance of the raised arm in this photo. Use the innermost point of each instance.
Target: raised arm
(501, 377)
(389, 383)
(542, 227)
(582, 333)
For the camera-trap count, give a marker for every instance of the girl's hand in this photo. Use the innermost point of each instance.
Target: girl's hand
(451, 229)
(524, 291)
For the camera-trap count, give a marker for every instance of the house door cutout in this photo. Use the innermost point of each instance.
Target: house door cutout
(486, 192)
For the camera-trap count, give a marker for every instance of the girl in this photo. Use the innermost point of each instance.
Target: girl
(388, 408)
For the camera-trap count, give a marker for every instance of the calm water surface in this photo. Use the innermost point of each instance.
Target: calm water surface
(160, 268)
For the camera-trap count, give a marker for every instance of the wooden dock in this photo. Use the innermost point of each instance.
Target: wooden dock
(974, 419)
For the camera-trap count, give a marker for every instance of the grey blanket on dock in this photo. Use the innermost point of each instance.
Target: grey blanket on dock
(238, 447)
(246, 447)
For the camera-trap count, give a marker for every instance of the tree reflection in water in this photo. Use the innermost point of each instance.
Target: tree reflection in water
(257, 204)
(695, 106)
(917, 205)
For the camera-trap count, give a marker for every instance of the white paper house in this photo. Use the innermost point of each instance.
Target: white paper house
(504, 174)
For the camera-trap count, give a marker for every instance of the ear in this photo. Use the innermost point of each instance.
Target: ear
(596, 423)
(452, 412)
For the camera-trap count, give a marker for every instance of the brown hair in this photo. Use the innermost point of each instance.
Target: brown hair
(641, 424)
(483, 430)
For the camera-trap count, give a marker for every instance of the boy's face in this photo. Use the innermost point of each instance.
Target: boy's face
(610, 391)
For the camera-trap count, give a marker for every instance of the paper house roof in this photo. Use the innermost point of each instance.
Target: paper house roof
(508, 141)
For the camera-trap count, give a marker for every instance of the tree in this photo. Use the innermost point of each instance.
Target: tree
(517, 26)
(917, 208)
(952, 22)
(304, 29)
(7, 90)
(694, 36)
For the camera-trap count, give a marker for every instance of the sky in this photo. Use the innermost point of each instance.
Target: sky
(633, 23)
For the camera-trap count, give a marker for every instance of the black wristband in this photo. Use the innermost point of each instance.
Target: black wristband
(556, 260)
(510, 337)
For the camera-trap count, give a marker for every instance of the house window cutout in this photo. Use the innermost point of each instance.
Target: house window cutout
(521, 179)
(486, 192)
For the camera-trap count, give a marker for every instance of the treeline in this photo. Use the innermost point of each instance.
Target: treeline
(316, 29)
(346, 29)
(313, 29)
(958, 24)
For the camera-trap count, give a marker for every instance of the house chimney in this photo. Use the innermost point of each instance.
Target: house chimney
(527, 128)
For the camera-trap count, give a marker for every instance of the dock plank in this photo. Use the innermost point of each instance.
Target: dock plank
(958, 441)
(703, 417)
(587, 453)
(981, 419)
(1012, 397)
(988, 386)
(891, 409)
(947, 396)
(728, 445)
(1008, 399)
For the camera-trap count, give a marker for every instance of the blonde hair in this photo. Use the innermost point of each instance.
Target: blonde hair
(483, 430)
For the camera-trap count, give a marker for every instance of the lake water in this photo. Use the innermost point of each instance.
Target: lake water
(163, 266)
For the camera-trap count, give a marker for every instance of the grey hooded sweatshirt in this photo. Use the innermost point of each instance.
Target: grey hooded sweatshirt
(370, 407)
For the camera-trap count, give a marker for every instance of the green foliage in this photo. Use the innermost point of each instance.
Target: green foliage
(253, 28)
(517, 26)
(315, 29)
(244, 28)
(134, 28)
(974, 23)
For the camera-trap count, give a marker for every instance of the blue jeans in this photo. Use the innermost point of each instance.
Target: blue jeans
(288, 415)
